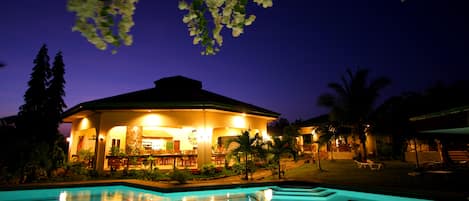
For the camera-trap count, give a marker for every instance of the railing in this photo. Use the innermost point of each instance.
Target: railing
(169, 159)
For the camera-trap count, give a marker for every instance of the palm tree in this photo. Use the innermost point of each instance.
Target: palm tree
(325, 134)
(246, 147)
(353, 101)
(280, 147)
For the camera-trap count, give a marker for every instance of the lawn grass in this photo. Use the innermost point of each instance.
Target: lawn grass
(394, 175)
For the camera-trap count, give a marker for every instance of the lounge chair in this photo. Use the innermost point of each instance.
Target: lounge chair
(361, 164)
(374, 165)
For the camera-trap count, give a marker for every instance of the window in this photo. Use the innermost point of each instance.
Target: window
(116, 143)
(307, 139)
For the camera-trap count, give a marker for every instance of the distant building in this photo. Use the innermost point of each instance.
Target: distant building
(9, 121)
(343, 145)
(176, 122)
(444, 130)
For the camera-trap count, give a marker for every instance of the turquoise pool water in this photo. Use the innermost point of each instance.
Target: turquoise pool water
(125, 193)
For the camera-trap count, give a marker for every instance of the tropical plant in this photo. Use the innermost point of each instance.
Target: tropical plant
(353, 101)
(325, 132)
(246, 147)
(282, 146)
(85, 155)
(116, 151)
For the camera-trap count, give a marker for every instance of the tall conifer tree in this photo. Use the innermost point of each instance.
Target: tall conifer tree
(55, 94)
(31, 120)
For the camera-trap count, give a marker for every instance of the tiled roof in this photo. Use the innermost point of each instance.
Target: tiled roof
(176, 92)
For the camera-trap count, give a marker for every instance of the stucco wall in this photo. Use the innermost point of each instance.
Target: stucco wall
(204, 122)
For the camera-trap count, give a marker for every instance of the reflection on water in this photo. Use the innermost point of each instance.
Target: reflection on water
(123, 193)
(109, 196)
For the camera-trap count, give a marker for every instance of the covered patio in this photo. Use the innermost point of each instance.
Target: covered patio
(176, 124)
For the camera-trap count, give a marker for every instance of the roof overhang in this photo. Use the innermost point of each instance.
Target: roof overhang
(84, 113)
(452, 121)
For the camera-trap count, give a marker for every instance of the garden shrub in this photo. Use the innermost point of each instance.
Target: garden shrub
(208, 170)
(151, 175)
(237, 168)
(181, 176)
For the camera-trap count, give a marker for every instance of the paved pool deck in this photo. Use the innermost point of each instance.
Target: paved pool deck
(258, 179)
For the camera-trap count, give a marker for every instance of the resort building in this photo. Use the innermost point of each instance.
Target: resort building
(442, 137)
(343, 145)
(174, 124)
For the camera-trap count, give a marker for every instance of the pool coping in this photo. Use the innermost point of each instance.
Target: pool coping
(173, 187)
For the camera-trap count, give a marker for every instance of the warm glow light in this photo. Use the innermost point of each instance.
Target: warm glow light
(63, 196)
(315, 135)
(101, 137)
(239, 122)
(69, 139)
(135, 129)
(268, 194)
(84, 124)
(152, 120)
(266, 137)
(204, 134)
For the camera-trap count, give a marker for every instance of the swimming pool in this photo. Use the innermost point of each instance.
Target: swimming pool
(266, 193)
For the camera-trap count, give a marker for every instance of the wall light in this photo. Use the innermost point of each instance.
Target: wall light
(152, 120)
(101, 137)
(239, 122)
(84, 124)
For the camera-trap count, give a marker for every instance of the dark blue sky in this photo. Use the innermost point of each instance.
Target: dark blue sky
(282, 62)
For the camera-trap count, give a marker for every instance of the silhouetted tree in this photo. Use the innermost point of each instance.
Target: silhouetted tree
(39, 148)
(353, 101)
(31, 117)
(276, 127)
(54, 108)
(55, 94)
(392, 118)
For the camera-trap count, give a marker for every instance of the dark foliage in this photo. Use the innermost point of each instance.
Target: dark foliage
(33, 148)
(353, 101)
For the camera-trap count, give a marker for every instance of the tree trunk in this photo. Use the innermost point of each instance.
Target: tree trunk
(417, 165)
(279, 169)
(246, 167)
(319, 158)
(362, 136)
(364, 155)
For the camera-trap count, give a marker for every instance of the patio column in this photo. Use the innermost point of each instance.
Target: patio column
(204, 148)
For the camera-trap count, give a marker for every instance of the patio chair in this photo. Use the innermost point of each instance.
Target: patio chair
(375, 165)
(361, 164)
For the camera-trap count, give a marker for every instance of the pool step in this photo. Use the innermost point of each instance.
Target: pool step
(297, 189)
(282, 193)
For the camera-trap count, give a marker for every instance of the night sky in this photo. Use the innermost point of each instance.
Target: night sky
(282, 62)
